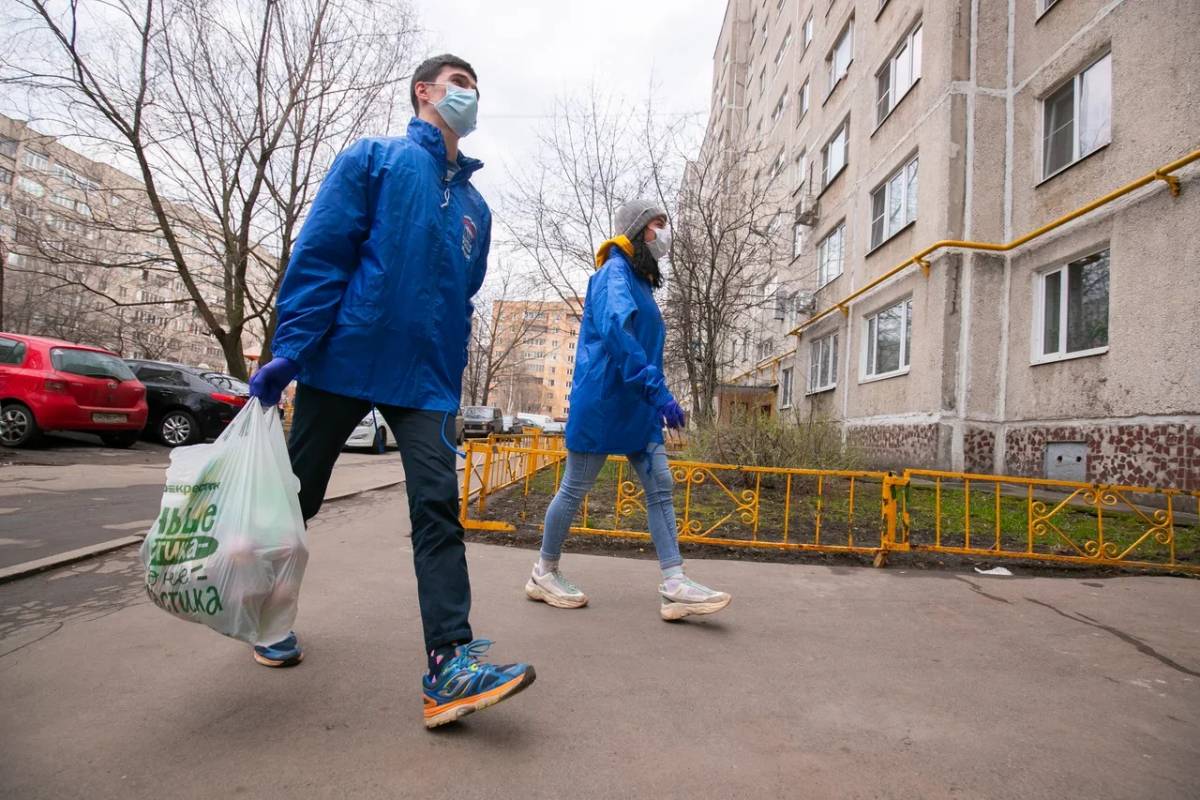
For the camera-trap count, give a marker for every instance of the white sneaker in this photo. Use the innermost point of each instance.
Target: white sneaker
(682, 597)
(555, 590)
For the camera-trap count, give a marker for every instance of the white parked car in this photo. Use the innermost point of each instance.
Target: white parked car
(373, 432)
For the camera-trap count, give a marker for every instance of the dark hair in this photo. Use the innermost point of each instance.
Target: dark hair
(643, 263)
(429, 70)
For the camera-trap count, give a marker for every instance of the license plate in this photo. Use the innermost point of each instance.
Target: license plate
(110, 419)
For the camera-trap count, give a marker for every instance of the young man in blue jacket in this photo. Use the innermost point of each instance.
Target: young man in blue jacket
(375, 310)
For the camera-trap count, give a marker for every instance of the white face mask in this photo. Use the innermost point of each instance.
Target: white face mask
(661, 244)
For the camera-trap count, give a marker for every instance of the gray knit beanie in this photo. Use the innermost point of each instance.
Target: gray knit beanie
(635, 215)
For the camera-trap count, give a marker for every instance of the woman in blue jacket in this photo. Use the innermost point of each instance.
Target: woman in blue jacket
(619, 401)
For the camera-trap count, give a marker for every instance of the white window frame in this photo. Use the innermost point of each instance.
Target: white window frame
(30, 186)
(831, 60)
(797, 239)
(35, 160)
(777, 164)
(906, 56)
(780, 107)
(823, 359)
(870, 348)
(786, 386)
(908, 190)
(783, 46)
(805, 95)
(831, 265)
(1075, 83)
(1044, 7)
(1037, 338)
(828, 176)
(801, 168)
(807, 32)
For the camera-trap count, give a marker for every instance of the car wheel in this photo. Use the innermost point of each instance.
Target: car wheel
(379, 446)
(17, 425)
(177, 428)
(121, 440)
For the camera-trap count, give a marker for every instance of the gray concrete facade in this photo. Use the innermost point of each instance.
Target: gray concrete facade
(978, 391)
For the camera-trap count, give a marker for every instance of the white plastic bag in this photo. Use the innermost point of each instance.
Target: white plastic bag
(228, 549)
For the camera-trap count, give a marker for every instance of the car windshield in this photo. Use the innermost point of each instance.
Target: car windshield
(226, 382)
(478, 412)
(90, 364)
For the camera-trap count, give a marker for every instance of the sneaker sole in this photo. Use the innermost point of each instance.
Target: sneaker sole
(676, 611)
(452, 712)
(535, 592)
(277, 663)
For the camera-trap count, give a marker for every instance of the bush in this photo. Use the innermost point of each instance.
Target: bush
(752, 439)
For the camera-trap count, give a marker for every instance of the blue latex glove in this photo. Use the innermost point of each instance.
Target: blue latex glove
(270, 381)
(672, 414)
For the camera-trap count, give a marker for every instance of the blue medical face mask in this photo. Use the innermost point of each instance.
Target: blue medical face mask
(459, 108)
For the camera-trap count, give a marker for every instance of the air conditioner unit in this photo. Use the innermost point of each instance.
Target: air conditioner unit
(806, 211)
(806, 302)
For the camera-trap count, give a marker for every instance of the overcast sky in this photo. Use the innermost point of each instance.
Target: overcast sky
(532, 51)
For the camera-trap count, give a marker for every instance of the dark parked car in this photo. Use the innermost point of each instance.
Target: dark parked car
(188, 405)
(48, 385)
(482, 421)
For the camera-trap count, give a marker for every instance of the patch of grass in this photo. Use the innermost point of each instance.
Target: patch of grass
(837, 511)
(944, 519)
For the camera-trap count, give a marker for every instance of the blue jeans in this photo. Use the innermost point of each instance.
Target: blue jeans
(582, 468)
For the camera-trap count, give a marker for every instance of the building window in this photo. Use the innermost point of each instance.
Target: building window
(35, 160)
(804, 100)
(898, 75)
(762, 81)
(30, 186)
(780, 107)
(777, 166)
(1076, 118)
(806, 33)
(783, 46)
(840, 56)
(1073, 309)
(822, 364)
(830, 255)
(763, 33)
(8, 147)
(889, 336)
(785, 388)
(797, 239)
(1046, 5)
(894, 204)
(835, 154)
(801, 168)
(6, 175)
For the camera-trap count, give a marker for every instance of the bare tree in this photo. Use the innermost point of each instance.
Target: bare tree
(729, 243)
(591, 158)
(228, 112)
(501, 328)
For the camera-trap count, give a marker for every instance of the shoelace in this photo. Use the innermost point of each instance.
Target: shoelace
(570, 587)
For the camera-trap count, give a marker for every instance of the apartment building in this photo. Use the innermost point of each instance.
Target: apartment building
(539, 338)
(83, 258)
(908, 122)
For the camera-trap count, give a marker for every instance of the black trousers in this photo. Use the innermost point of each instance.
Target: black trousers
(320, 426)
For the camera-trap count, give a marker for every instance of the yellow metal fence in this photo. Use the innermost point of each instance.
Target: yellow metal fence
(512, 479)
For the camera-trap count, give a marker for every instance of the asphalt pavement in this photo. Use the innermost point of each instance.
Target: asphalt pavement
(70, 492)
(817, 682)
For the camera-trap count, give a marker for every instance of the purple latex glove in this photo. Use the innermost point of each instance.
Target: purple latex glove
(672, 414)
(270, 381)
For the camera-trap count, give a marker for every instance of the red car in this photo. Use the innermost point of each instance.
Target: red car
(48, 385)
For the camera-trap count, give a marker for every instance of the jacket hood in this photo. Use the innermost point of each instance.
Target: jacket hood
(621, 242)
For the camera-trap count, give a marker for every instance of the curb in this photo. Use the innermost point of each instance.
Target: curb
(62, 559)
(28, 568)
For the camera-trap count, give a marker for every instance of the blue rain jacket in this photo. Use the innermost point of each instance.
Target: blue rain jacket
(376, 301)
(618, 385)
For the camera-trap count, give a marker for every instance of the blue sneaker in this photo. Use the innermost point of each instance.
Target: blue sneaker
(286, 653)
(466, 685)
